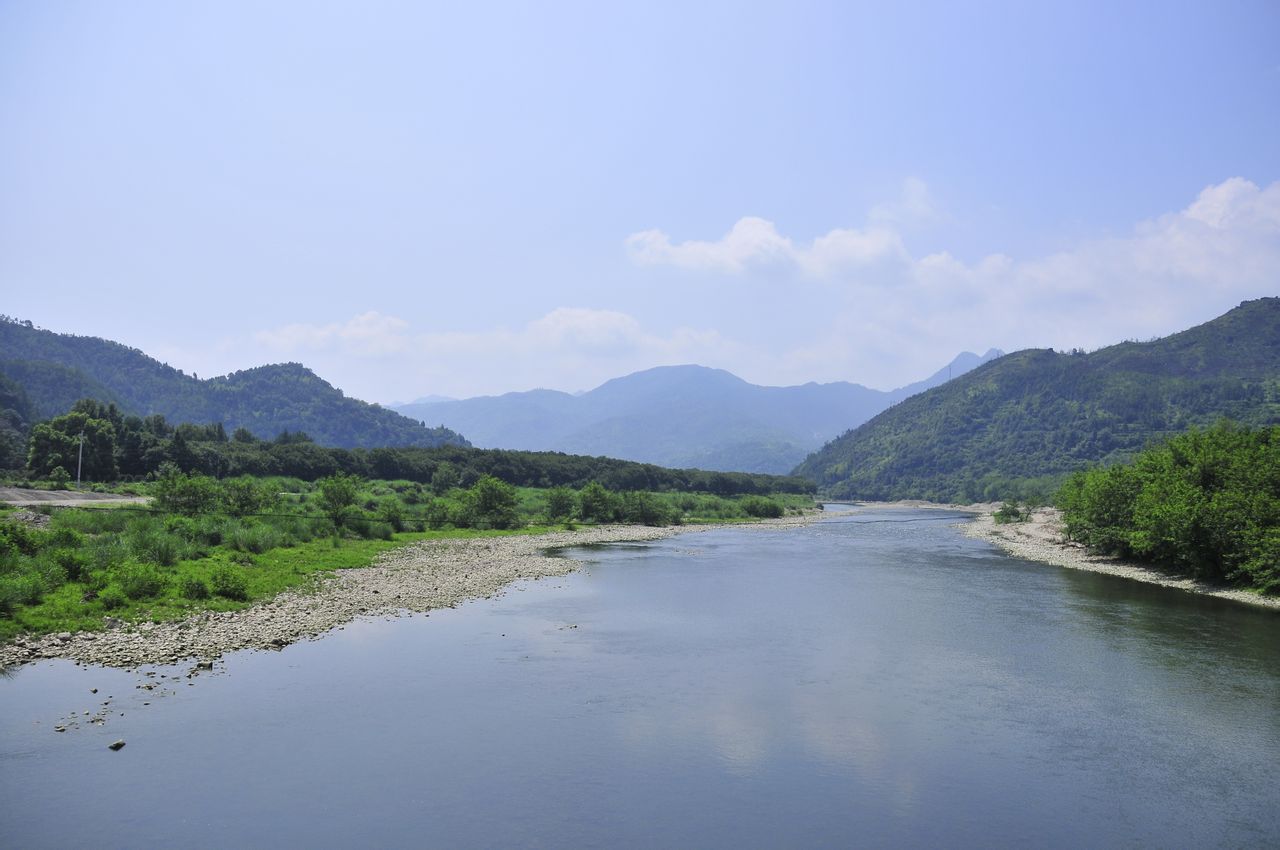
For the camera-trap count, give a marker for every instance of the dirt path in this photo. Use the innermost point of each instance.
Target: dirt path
(62, 498)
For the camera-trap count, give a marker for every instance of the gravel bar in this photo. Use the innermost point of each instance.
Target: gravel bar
(418, 577)
(1041, 538)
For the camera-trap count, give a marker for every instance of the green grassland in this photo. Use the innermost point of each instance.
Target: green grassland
(205, 545)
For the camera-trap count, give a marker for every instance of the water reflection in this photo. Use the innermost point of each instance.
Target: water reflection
(851, 683)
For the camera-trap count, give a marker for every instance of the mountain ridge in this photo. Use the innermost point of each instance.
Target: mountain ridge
(55, 370)
(1016, 425)
(680, 416)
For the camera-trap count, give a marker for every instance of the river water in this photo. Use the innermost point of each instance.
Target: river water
(871, 680)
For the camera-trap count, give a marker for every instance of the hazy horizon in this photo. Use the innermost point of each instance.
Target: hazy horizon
(415, 200)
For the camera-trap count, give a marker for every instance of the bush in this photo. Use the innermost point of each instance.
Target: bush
(19, 589)
(140, 581)
(560, 503)
(181, 493)
(761, 508)
(112, 598)
(254, 538)
(192, 587)
(230, 582)
(244, 496)
(156, 547)
(74, 562)
(337, 496)
(390, 512)
(1010, 512)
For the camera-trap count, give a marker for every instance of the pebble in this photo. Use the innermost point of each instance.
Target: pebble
(415, 578)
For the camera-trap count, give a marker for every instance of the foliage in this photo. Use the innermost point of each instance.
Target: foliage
(560, 503)
(1206, 503)
(1011, 512)
(1018, 426)
(185, 494)
(337, 496)
(245, 495)
(490, 503)
(230, 582)
(760, 507)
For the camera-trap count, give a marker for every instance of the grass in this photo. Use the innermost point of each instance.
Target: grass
(137, 564)
(266, 575)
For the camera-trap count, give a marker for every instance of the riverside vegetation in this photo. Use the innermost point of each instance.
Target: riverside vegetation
(1205, 504)
(221, 545)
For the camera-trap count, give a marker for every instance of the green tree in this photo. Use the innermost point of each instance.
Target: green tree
(596, 504)
(184, 493)
(445, 478)
(337, 496)
(491, 503)
(57, 443)
(560, 503)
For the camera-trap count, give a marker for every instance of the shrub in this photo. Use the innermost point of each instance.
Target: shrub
(181, 493)
(112, 598)
(760, 507)
(1010, 512)
(390, 512)
(337, 496)
(244, 496)
(230, 582)
(74, 562)
(157, 547)
(140, 581)
(192, 587)
(559, 503)
(254, 538)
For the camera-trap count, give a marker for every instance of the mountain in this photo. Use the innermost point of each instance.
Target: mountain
(55, 370)
(677, 416)
(1017, 424)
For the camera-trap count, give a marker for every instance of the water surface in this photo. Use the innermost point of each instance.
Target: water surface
(856, 682)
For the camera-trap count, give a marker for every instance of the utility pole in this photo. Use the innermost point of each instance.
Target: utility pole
(80, 460)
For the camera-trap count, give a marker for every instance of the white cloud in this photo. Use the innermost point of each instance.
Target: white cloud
(369, 334)
(586, 346)
(886, 316)
(754, 242)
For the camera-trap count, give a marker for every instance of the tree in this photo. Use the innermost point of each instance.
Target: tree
(491, 503)
(560, 503)
(595, 503)
(179, 492)
(445, 478)
(337, 496)
(57, 443)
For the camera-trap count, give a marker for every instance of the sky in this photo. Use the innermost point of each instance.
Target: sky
(472, 198)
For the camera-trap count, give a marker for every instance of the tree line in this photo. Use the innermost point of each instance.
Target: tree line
(118, 447)
(1205, 503)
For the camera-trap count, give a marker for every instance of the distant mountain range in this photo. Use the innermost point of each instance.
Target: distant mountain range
(48, 372)
(1018, 424)
(678, 416)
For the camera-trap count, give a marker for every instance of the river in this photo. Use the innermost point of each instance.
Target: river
(871, 680)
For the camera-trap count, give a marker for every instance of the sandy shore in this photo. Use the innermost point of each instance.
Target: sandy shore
(1041, 539)
(415, 578)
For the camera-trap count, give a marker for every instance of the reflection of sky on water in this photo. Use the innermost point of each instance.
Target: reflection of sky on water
(876, 684)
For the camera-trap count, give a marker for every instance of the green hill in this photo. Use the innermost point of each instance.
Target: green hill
(1017, 425)
(55, 370)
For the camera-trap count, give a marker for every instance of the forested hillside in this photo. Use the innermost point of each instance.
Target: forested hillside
(681, 416)
(1017, 425)
(55, 370)
(127, 447)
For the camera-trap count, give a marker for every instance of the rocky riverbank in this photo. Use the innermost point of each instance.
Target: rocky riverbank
(415, 578)
(1041, 538)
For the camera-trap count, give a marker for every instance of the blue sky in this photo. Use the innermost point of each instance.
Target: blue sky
(475, 198)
